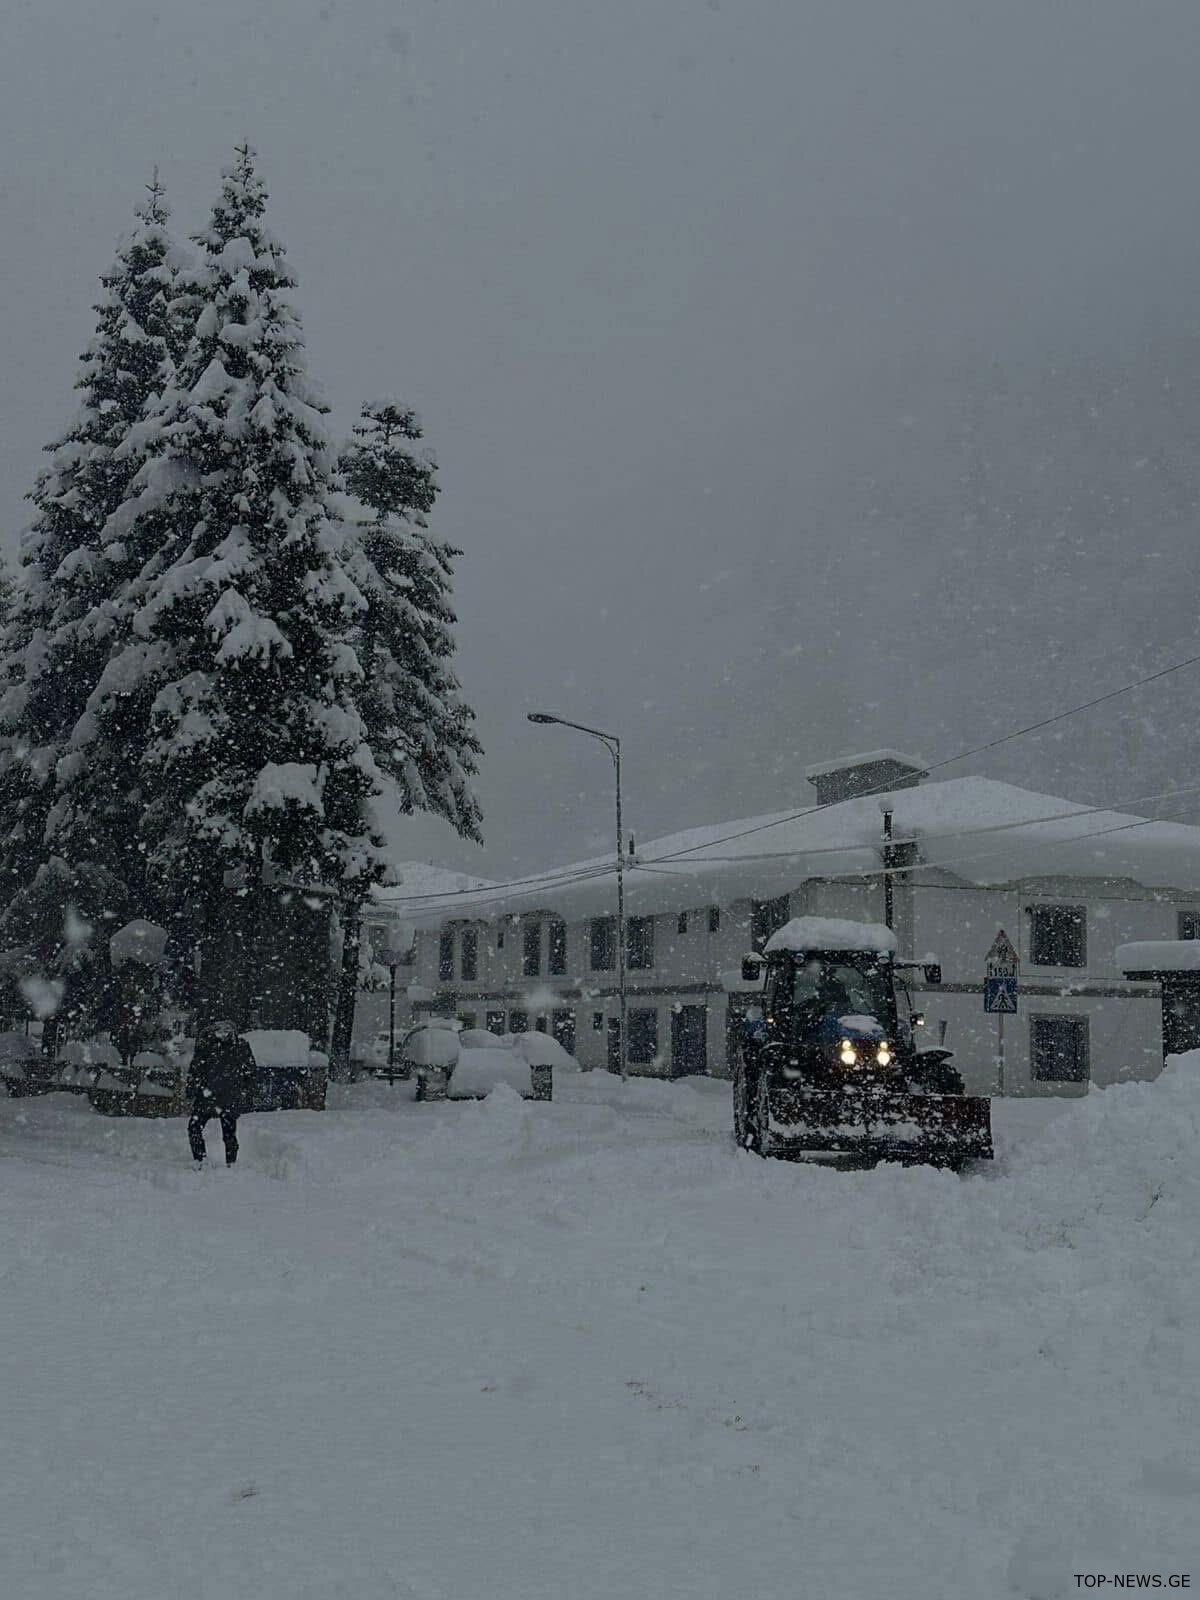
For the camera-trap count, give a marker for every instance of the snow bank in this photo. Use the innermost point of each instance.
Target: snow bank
(831, 933)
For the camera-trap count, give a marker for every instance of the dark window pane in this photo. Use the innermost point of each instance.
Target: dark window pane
(468, 954)
(531, 950)
(1058, 936)
(541, 1024)
(446, 957)
(1189, 924)
(643, 1035)
(562, 1026)
(604, 944)
(1058, 1049)
(766, 918)
(556, 948)
(495, 1022)
(597, 1021)
(518, 1022)
(467, 1018)
(681, 923)
(714, 919)
(640, 943)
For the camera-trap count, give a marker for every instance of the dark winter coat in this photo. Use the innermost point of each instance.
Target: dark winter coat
(221, 1074)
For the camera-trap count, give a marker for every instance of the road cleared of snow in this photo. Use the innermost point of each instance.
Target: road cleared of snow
(585, 1349)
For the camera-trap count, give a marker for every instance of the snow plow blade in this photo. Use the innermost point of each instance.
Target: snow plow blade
(939, 1129)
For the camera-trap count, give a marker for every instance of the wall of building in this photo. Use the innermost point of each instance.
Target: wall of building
(935, 915)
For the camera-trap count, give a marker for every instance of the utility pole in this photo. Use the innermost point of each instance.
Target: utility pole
(889, 857)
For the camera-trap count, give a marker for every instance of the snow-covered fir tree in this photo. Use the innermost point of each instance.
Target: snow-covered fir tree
(59, 624)
(238, 625)
(420, 728)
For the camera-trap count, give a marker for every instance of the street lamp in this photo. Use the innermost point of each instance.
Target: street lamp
(613, 745)
(393, 956)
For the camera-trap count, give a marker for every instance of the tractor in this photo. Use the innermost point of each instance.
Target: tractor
(832, 1060)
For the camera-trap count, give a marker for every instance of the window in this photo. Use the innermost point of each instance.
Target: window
(640, 943)
(714, 919)
(562, 1026)
(541, 1023)
(1189, 924)
(495, 1022)
(531, 949)
(766, 918)
(681, 922)
(446, 956)
(468, 954)
(467, 1019)
(556, 947)
(1058, 1049)
(643, 1035)
(597, 1022)
(1058, 936)
(518, 1022)
(604, 944)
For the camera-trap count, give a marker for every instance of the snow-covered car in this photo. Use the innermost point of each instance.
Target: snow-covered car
(451, 1065)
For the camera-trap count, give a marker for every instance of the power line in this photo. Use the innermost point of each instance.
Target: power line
(1074, 814)
(936, 766)
(491, 890)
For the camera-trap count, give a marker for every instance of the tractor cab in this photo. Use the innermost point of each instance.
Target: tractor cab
(831, 1060)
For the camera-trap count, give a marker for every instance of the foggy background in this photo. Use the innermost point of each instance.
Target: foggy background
(805, 377)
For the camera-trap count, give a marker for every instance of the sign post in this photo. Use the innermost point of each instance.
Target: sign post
(1000, 992)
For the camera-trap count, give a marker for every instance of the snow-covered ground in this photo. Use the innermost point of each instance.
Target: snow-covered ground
(585, 1350)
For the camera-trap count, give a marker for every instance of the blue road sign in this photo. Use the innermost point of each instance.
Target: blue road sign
(1000, 994)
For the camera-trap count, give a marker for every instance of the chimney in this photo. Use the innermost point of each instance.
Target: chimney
(876, 772)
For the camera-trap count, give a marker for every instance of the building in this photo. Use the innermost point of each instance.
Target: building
(1069, 884)
(389, 932)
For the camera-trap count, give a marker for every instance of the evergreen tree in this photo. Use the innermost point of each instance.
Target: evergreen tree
(237, 626)
(420, 729)
(58, 627)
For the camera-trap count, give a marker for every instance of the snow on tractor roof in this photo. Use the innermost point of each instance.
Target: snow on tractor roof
(802, 934)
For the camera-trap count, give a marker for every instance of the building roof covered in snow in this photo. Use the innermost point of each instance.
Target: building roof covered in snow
(976, 830)
(422, 882)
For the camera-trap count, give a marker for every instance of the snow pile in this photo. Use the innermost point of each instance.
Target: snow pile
(831, 933)
(282, 1047)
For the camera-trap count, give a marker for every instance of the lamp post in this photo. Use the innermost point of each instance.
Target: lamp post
(393, 957)
(613, 745)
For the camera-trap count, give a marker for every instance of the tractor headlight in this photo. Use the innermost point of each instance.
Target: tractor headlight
(884, 1057)
(849, 1054)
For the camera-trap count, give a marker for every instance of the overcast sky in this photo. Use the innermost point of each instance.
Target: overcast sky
(806, 375)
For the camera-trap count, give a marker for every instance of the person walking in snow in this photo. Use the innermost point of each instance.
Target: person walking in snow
(218, 1085)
